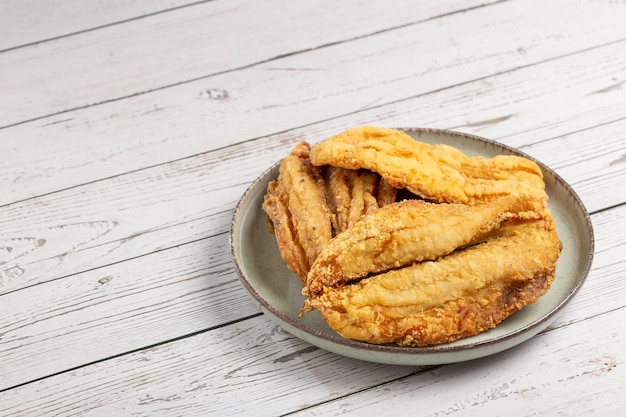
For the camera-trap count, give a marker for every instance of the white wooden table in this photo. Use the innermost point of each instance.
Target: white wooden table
(130, 129)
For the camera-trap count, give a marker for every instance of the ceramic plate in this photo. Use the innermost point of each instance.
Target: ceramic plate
(276, 290)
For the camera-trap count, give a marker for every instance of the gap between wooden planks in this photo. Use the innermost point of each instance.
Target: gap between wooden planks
(519, 107)
(189, 288)
(47, 21)
(189, 43)
(186, 377)
(554, 371)
(150, 129)
(148, 210)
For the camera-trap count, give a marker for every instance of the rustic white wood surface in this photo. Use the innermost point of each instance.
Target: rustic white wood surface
(130, 129)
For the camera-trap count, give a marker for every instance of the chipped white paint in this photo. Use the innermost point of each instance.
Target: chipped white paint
(130, 129)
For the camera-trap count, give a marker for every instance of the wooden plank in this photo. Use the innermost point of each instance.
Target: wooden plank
(131, 215)
(47, 20)
(141, 302)
(526, 106)
(186, 44)
(608, 265)
(557, 370)
(117, 295)
(189, 200)
(186, 289)
(211, 372)
(602, 146)
(208, 367)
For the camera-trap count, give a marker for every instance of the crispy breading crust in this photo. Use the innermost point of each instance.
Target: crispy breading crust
(351, 194)
(296, 205)
(456, 296)
(434, 172)
(413, 273)
(406, 232)
(308, 205)
(275, 205)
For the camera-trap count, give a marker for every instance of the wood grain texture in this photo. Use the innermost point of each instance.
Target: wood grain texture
(189, 288)
(131, 215)
(240, 357)
(176, 378)
(543, 100)
(47, 20)
(130, 130)
(540, 386)
(188, 43)
(137, 303)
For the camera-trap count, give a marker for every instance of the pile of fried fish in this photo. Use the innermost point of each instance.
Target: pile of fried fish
(399, 241)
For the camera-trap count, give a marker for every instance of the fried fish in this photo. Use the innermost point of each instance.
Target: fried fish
(308, 205)
(351, 194)
(458, 295)
(406, 232)
(437, 173)
(296, 206)
(477, 244)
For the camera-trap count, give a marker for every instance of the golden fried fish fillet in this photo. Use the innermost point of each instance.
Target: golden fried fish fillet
(438, 173)
(351, 194)
(458, 295)
(296, 205)
(406, 232)
(308, 205)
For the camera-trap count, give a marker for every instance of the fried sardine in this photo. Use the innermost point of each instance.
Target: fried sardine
(309, 205)
(438, 173)
(459, 295)
(351, 194)
(296, 205)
